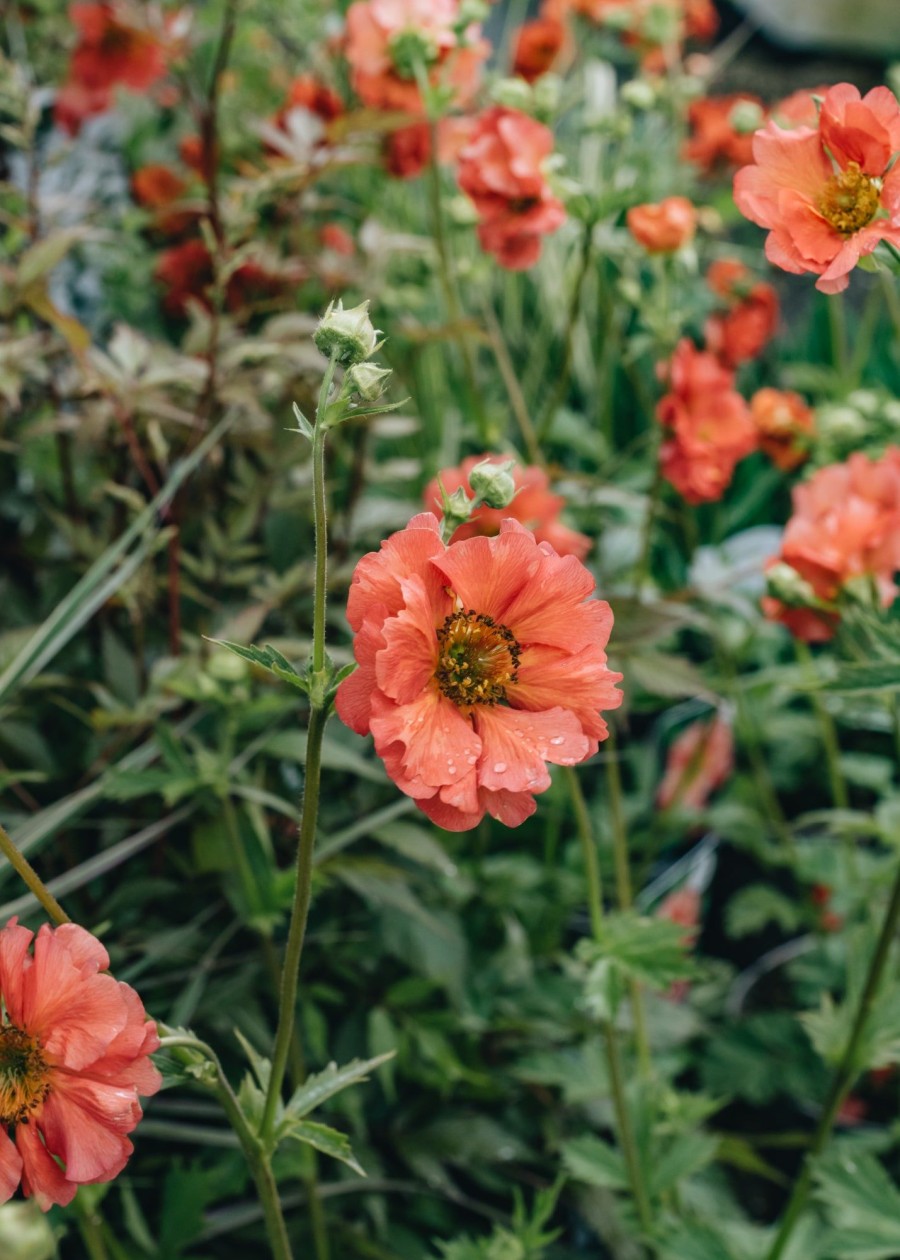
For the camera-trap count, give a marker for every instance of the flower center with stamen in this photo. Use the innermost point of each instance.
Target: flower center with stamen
(477, 659)
(24, 1075)
(850, 200)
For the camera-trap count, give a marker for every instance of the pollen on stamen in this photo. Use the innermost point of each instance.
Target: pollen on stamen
(24, 1075)
(477, 659)
(850, 200)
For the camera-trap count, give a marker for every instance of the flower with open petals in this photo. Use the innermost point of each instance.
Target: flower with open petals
(662, 227)
(534, 506)
(479, 663)
(710, 423)
(828, 195)
(748, 323)
(845, 526)
(74, 1056)
(502, 170)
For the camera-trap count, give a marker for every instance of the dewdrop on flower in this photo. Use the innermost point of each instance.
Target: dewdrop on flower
(346, 334)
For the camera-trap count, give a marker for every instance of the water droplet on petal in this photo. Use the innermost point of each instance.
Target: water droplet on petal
(558, 739)
(499, 767)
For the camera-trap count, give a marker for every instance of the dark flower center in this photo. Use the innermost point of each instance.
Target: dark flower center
(23, 1075)
(477, 659)
(850, 200)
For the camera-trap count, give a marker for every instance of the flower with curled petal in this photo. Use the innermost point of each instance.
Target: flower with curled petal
(479, 663)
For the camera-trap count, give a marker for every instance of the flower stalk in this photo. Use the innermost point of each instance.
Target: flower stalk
(29, 875)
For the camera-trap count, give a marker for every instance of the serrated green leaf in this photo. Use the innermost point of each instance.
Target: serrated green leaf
(863, 1204)
(314, 1091)
(270, 659)
(650, 950)
(595, 1162)
(753, 908)
(325, 1139)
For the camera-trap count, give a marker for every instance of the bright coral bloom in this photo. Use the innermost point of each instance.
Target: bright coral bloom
(663, 227)
(715, 141)
(388, 39)
(534, 506)
(829, 195)
(784, 423)
(479, 662)
(74, 1056)
(749, 323)
(538, 46)
(845, 526)
(711, 425)
(501, 169)
(700, 760)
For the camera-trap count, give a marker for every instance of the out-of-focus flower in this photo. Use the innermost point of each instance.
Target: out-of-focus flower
(534, 506)
(711, 425)
(158, 188)
(719, 137)
(747, 326)
(654, 29)
(309, 93)
(74, 1056)
(186, 272)
(110, 51)
(337, 238)
(390, 42)
(479, 662)
(502, 169)
(190, 150)
(845, 526)
(682, 907)
(700, 760)
(408, 149)
(663, 227)
(799, 109)
(538, 45)
(785, 424)
(829, 195)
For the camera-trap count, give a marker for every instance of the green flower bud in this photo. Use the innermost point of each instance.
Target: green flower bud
(347, 334)
(638, 93)
(514, 94)
(368, 380)
(746, 117)
(493, 483)
(786, 584)
(866, 401)
(840, 423)
(411, 51)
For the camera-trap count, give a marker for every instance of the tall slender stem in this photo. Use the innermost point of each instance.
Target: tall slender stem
(827, 730)
(562, 381)
(613, 1055)
(26, 872)
(845, 1074)
(320, 521)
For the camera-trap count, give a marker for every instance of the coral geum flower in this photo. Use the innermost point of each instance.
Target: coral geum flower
(74, 1055)
(479, 662)
(700, 760)
(785, 424)
(534, 506)
(828, 195)
(538, 45)
(718, 136)
(747, 326)
(662, 227)
(710, 422)
(846, 526)
(501, 169)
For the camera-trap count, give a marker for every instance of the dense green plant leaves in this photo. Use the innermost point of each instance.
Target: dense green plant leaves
(862, 1203)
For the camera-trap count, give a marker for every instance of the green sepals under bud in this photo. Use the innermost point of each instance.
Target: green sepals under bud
(746, 117)
(493, 484)
(513, 93)
(348, 335)
(367, 380)
(411, 51)
(456, 508)
(785, 583)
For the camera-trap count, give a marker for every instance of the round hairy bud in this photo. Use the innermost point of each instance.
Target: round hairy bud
(348, 335)
(786, 584)
(368, 380)
(493, 483)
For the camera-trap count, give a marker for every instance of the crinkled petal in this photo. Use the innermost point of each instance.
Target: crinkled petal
(42, 1178)
(516, 744)
(84, 1122)
(406, 663)
(487, 573)
(436, 738)
(14, 963)
(10, 1167)
(550, 677)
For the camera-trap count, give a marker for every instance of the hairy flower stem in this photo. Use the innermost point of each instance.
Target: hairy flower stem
(90, 1227)
(318, 717)
(847, 1071)
(610, 1035)
(451, 295)
(26, 872)
(548, 415)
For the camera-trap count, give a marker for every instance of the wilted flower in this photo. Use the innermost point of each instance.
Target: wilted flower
(784, 423)
(348, 334)
(663, 227)
(501, 169)
(534, 506)
(74, 1055)
(479, 662)
(828, 195)
(845, 526)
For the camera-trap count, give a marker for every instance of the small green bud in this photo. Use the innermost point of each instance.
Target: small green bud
(786, 584)
(457, 505)
(513, 94)
(368, 380)
(746, 117)
(547, 92)
(347, 334)
(638, 94)
(866, 401)
(840, 423)
(493, 483)
(411, 51)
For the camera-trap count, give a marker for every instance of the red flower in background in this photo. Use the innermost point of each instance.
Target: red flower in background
(309, 93)
(700, 760)
(75, 1048)
(715, 140)
(158, 188)
(743, 330)
(784, 423)
(501, 169)
(534, 506)
(538, 45)
(711, 425)
(827, 196)
(663, 227)
(388, 39)
(846, 525)
(479, 663)
(110, 51)
(186, 273)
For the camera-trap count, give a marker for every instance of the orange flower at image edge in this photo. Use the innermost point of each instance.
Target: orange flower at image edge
(479, 662)
(74, 1056)
(534, 506)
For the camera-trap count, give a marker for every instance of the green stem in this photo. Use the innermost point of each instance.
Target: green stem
(26, 872)
(827, 730)
(642, 571)
(239, 853)
(562, 381)
(320, 520)
(90, 1226)
(845, 1074)
(613, 1056)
